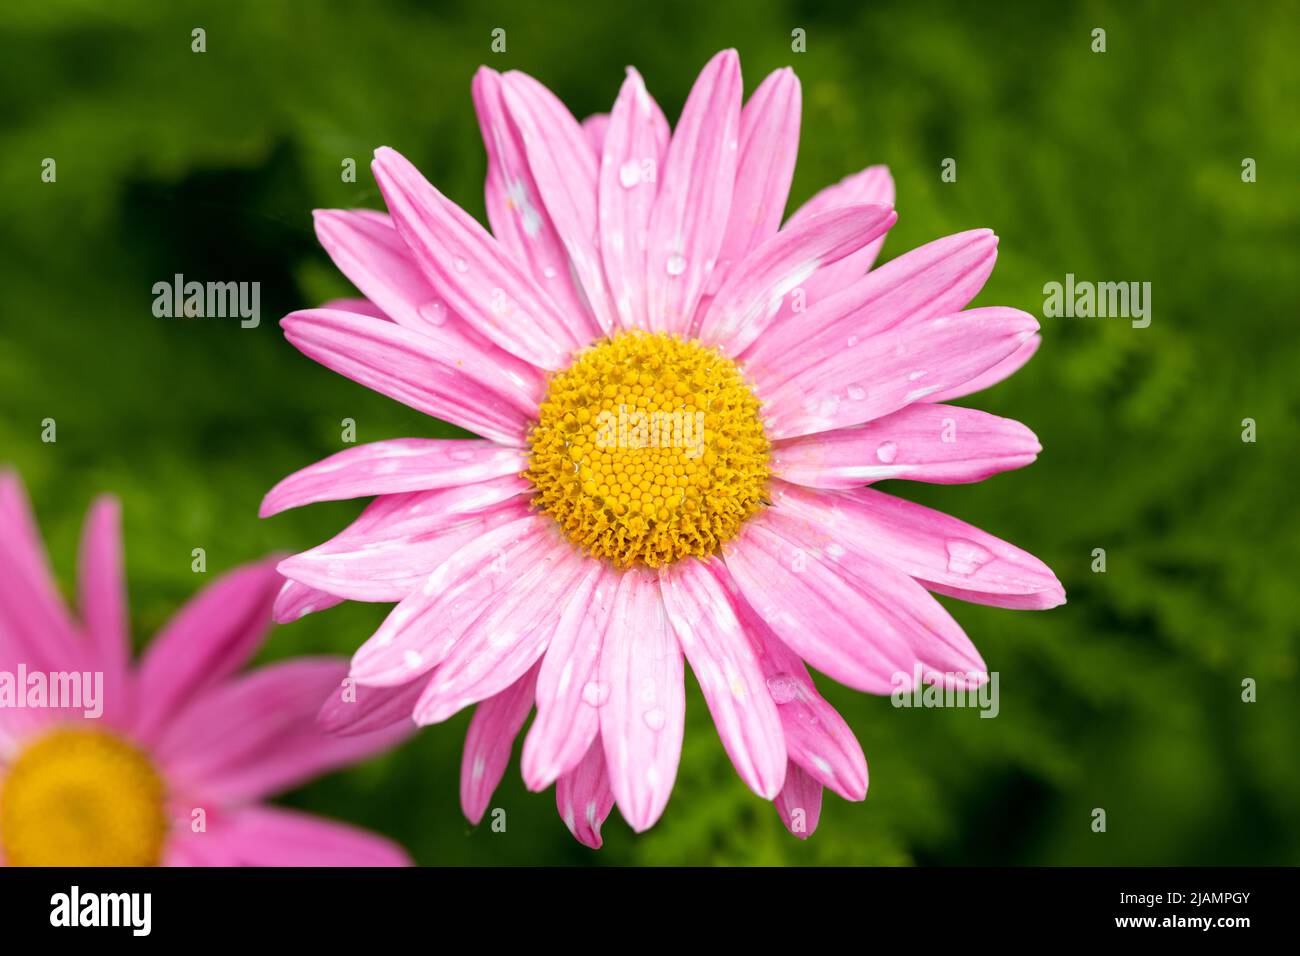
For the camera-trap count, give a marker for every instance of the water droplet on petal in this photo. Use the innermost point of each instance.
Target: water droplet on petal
(676, 264)
(434, 312)
(857, 393)
(595, 693)
(655, 719)
(887, 452)
(966, 557)
(629, 174)
(549, 272)
(459, 264)
(783, 688)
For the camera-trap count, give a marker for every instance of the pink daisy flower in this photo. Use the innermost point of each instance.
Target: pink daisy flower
(681, 402)
(169, 761)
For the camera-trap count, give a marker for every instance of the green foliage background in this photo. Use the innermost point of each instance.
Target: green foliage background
(1117, 166)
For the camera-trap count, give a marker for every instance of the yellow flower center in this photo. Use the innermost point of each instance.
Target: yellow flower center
(82, 798)
(648, 449)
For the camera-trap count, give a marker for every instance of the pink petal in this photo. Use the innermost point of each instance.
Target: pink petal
(689, 218)
(945, 444)
(209, 639)
(930, 637)
(849, 386)
(359, 306)
(749, 298)
(257, 735)
(769, 145)
(937, 279)
(19, 725)
(386, 467)
(404, 365)
(814, 610)
(19, 523)
(945, 554)
(871, 185)
(367, 249)
(508, 637)
(816, 736)
(297, 600)
(519, 218)
(800, 802)
(386, 558)
(102, 589)
(630, 167)
(567, 690)
(595, 127)
(35, 626)
(185, 848)
(357, 709)
(565, 168)
(728, 673)
(1005, 369)
(584, 798)
(856, 619)
(488, 743)
(474, 273)
(643, 715)
(428, 623)
(1041, 601)
(274, 836)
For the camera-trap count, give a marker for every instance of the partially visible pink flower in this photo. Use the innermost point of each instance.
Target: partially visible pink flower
(557, 564)
(176, 768)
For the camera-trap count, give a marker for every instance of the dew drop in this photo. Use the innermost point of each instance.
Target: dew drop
(549, 272)
(655, 719)
(595, 693)
(887, 452)
(459, 264)
(966, 557)
(782, 687)
(676, 264)
(434, 312)
(629, 174)
(857, 392)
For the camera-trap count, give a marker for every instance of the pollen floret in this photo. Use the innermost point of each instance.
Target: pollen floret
(649, 448)
(82, 798)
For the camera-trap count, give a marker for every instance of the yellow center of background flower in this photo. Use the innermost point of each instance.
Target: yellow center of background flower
(649, 449)
(82, 798)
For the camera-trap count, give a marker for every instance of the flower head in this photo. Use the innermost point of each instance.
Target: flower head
(682, 400)
(168, 761)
